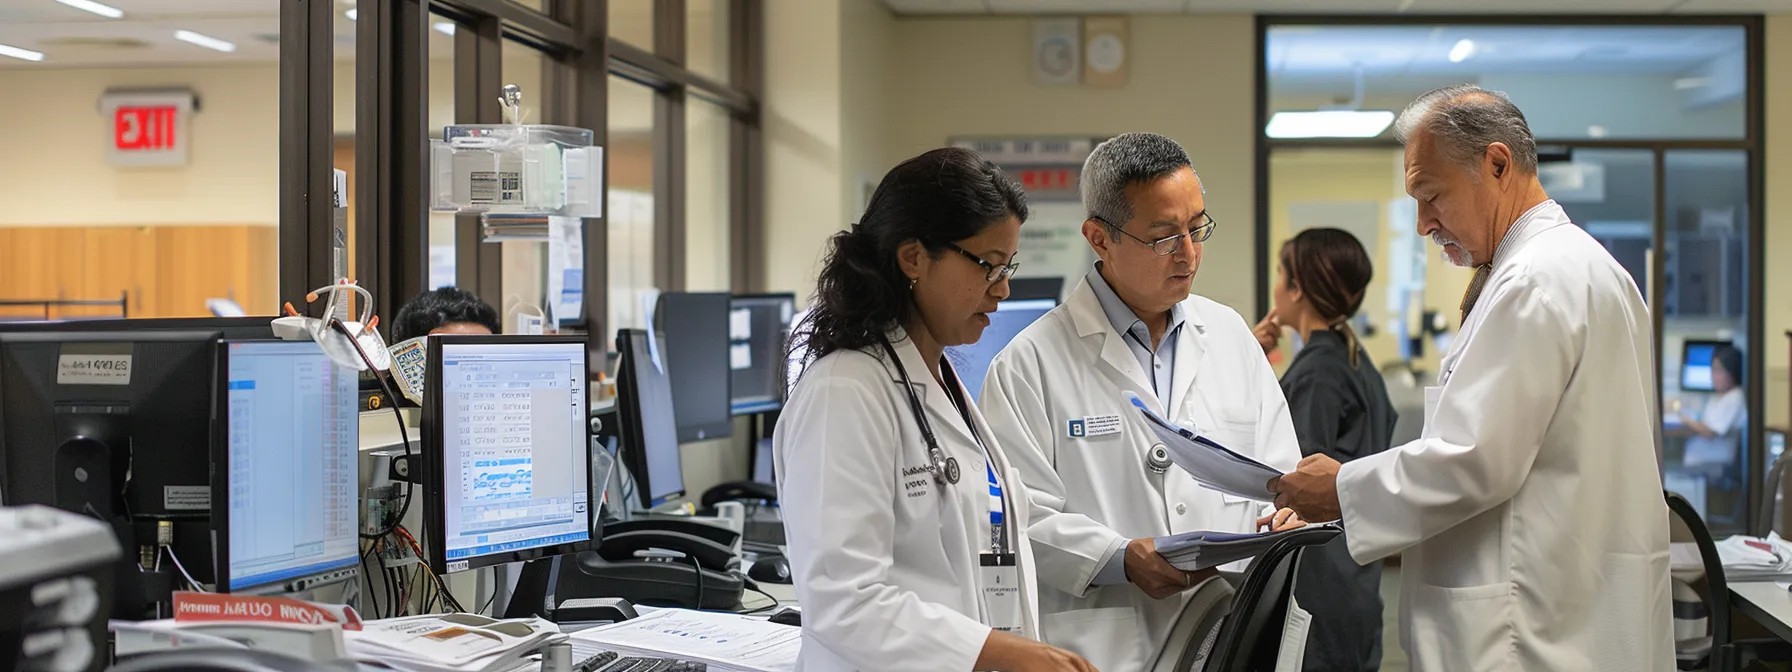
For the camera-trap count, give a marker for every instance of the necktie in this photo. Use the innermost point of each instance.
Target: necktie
(1474, 289)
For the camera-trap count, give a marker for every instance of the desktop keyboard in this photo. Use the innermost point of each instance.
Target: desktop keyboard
(609, 661)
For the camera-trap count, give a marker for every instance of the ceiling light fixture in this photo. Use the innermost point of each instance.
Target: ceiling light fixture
(107, 11)
(445, 28)
(206, 41)
(1329, 124)
(21, 54)
(1464, 50)
(352, 14)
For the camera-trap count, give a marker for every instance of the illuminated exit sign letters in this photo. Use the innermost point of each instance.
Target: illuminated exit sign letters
(148, 128)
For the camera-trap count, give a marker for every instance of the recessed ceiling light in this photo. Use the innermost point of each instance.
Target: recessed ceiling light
(1463, 50)
(1685, 83)
(107, 11)
(21, 54)
(1329, 124)
(445, 28)
(352, 14)
(206, 41)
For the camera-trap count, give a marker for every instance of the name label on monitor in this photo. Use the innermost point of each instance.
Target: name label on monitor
(187, 498)
(93, 369)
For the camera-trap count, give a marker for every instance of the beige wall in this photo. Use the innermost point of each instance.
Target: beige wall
(802, 134)
(868, 33)
(1190, 79)
(56, 172)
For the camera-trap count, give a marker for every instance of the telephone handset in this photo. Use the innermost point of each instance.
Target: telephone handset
(700, 569)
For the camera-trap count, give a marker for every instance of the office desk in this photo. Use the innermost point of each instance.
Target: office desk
(1769, 604)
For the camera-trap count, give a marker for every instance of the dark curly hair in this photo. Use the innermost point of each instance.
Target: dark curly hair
(940, 197)
(436, 307)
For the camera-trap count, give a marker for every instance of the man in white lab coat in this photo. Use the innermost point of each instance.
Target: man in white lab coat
(1102, 486)
(1529, 514)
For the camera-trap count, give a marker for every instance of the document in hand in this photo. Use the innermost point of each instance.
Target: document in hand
(1210, 463)
(451, 642)
(1194, 551)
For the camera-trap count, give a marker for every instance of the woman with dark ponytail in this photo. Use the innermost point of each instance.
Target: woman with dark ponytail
(906, 527)
(1340, 407)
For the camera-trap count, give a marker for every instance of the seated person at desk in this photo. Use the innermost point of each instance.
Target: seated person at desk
(447, 310)
(1716, 429)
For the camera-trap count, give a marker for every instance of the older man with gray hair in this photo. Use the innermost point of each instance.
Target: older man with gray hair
(1529, 514)
(1103, 488)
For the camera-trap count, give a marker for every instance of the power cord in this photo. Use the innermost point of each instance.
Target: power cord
(403, 435)
(367, 572)
(774, 605)
(183, 570)
(441, 587)
(698, 569)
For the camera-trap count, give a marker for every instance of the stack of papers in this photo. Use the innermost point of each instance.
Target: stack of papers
(451, 642)
(1211, 464)
(725, 642)
(1195, 551)
(1754, 558)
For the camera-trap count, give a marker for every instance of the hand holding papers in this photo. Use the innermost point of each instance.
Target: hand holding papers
(1195, 551)
(1211, 464)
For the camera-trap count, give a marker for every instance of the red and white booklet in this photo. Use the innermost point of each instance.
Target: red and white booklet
(202, 607)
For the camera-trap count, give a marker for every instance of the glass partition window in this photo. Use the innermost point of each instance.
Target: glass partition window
(1595, 82)
(706, 197)
(629, 204)
(706, 37)
(152, 185)
(632, 21)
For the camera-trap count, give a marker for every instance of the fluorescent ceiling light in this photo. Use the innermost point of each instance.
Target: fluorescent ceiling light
(1329, 124)
(22, 54)
(1685, 83)
(107, 11)
(445, 28)
(352, 14)
(206, 41)
(1463, 50)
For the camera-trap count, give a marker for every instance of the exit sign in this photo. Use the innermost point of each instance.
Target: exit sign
(148, 128)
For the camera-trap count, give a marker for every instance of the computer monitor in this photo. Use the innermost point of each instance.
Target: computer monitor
(644, 408)
(1028, 289)
(228, 327)
(763, 469)
(758, 331)
(971, 362)
(114, 425)
(693, 327)
(284, 468)
(1695, 365)
(506, 446)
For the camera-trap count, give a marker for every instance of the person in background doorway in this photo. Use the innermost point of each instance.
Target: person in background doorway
(447, 310)
(1715, 430)
(1340, 408)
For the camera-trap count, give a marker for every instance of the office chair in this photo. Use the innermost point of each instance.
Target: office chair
(1250, 635)
(1726, 654)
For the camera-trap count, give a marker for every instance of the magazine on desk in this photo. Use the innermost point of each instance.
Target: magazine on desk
(451, 642)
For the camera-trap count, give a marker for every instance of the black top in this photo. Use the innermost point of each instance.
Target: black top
(1343, 412)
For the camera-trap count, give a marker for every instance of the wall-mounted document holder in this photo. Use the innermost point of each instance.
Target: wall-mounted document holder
(504, 170)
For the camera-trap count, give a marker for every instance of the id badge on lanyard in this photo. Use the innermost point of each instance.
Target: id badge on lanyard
(999, 577)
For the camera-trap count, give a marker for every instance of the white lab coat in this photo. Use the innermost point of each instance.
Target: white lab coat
(1094, 494)
(884, 564)
(1529, 513)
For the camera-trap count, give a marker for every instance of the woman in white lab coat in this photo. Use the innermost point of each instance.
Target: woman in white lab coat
(1714, 441)
(906, 525)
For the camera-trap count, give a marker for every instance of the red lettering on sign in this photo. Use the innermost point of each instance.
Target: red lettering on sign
(143, 128)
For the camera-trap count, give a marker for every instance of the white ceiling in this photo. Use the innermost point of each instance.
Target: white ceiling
(70, 37)
(928, 7)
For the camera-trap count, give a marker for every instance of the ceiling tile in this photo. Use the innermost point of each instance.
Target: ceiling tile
(937, 6)
(1293, 6)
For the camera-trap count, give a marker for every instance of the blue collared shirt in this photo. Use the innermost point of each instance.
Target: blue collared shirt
(1159, 365)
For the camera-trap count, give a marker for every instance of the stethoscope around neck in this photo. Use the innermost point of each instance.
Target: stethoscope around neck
(945, 469)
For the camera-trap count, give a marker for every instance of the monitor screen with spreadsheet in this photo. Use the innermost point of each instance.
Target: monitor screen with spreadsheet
(506, 441)
(286, 467)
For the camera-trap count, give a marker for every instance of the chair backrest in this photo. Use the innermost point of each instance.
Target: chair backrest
(1252, 633)
(1714, 567)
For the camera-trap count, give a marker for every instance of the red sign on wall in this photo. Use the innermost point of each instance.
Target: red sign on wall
(148, 128)
(139, 128)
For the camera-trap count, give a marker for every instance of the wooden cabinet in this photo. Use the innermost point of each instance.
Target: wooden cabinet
(166, 271)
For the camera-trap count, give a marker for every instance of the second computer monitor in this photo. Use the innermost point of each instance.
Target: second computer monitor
(758, 335)
(693, 327)
(649, 434)
(284, 468)
(507, 447)
(1695, 365)
(971, 362)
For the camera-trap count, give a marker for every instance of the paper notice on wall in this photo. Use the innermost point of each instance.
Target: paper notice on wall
(740, 356)
(566, 268)
(740, 325)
